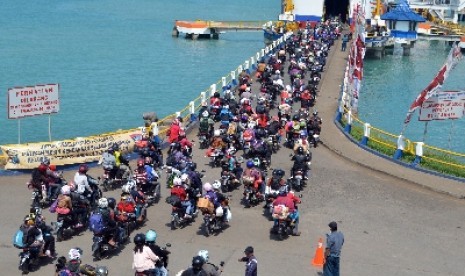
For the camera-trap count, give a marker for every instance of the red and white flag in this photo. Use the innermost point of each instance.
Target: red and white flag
(433, 87)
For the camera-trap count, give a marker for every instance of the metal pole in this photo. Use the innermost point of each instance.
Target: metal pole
(19, 131)
(49, 128)
(425, 131)
(450, 133)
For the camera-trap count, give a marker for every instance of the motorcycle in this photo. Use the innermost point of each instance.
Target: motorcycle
(108, 182)
(101, 247)
(178, 219)
(203, 140)
(298, 180)
(216, 157)
(39, 197)
(29, 259)
(211, 224)
(65, 227)
(273, 142)
(250, 197)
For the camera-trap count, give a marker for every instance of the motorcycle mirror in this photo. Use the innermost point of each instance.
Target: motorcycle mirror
(300, 196)
(168, 245)
(203, 171)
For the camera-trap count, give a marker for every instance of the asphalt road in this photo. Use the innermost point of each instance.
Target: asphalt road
(391, 227)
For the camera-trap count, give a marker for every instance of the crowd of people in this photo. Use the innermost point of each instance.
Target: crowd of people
(240, 130)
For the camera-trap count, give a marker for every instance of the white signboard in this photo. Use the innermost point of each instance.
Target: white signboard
(33, 100)
(443, 105)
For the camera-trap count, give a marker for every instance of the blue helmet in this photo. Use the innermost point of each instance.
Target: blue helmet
(151, 236)
(250, 164)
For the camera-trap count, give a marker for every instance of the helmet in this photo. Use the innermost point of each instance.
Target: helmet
(207, 187)
(139, 239)
(197, 263)
(46, 161)
(101, 271)
(147, 160)
(111, 150)
(103, 203)
(216, 185)
(217, 132)
(131, 184)
(204, 254)
(205, 114)
(256, 162)
(66, 190)
(295, 117)
(126, 189)
(303, 133)
(250, 164)
(29, 219)
(300, 150)
(278, 72)
(226, 106)
(42, 168)
(71, 185)
(260, 133)
(140, 163)
(278, 173)
(192, 166)
(151, 236)
(244, 118)
(315, 112)
(83, 168)
(184, 177)
(282, 190)
(216, 95)
(111, 202)
(177, 181)
(75, 253)
(231, 150)
(115, 146)
(52, 167)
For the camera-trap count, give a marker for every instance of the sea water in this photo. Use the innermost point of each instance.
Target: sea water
(392, 83)
(115, 60)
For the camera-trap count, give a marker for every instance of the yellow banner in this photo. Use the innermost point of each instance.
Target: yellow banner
(77, 151)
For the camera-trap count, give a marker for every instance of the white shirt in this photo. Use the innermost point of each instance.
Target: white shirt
(80, 180)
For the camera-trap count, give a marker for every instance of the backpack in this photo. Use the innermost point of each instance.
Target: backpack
(20, 238)
(203, 125)
(96, 223)
(53, 207)
(224, 115)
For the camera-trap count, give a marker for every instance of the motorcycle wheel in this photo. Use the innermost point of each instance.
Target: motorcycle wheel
(175, 223)
(105, 185)
(280, 233)
(97, 254)
(24, 265)
(297, 185)
(207, 229)
(157, 193)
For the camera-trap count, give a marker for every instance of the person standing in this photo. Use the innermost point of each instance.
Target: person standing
(345, 39)
(334, 242)
(251, 262)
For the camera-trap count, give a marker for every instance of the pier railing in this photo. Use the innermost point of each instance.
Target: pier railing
(399, 148)
(28, 156)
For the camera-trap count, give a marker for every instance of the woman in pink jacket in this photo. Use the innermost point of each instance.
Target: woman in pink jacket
(144, 258)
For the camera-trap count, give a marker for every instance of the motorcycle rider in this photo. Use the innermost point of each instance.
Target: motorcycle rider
(108, 219)
(217, 143)
(206, 125)
(108, 162)
(173, 131)
(315, 123)
(65, 206)
(49, 239)
(39, 178)
(126, 207)
(33, 237)
(144, 258)
(252, 177)
(122, 164)
(196, 269)
(293, 216)
(180, 191)
(302, 142)
(163, 254)
(81, 180)
(221, 200)
(300, 162)
(226, 116)
(209, 268)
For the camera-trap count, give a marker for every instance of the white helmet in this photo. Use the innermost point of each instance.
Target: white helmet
(277, 72)
(226, 106)
(247, 89)
(219, 211)
(184, 177)
(103, 202)
(66, 190)
(216, 185)
(126, 189)
(231, 150)
(217, 132)
(177, 181)
(75, 253)
(207, 187)
(205, 114)
(251, 124)
(204, 254)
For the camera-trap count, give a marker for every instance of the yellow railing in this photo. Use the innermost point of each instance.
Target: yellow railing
(387, 143)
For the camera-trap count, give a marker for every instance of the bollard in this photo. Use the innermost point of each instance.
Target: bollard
(193, 117)
(366, 134)
(340, 111)
(247, 67)
(233, 78)
(348, 126)
(257, 56)
(418, 153)
(212, 89)
(223, 81)
(262, 54)
(253, 64)
(203, 96)
(400, 148)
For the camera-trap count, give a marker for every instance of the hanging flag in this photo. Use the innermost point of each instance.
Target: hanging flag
(452, 60)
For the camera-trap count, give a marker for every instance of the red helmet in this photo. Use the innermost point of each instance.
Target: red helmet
(83, 168)
(42, 168)
(140, 163)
